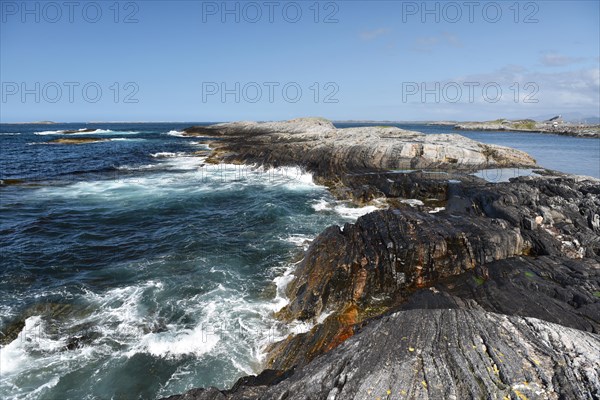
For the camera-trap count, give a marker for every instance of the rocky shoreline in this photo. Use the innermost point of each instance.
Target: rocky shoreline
(472, 289)
(527, 125)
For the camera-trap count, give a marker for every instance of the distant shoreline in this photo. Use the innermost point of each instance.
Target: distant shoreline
(31, 123)
(105, 122)
(555, 127)
(208, 122)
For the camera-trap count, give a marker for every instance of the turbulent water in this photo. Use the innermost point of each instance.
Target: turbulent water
(139, 271)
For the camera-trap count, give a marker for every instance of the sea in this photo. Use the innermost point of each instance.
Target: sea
(131, 269)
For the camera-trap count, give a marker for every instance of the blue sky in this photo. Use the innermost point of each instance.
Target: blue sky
(378, 60)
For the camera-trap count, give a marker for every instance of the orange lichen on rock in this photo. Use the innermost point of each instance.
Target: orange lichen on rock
(346, 319)
(359, 283)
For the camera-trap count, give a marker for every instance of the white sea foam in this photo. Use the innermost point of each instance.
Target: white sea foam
(291, 178)
(168, 161)
(299, 240)
(200, 144)
(322, 205)
(41, 358)
(138, 167)
(282, 282)
(197, 341)
(32, 338)
(290, 174)
(182, 162)
(345, 209)
(354, 212)
(9, 133)
(227, 325)
(164, 154)
(81, 132)
(49, 133)
(176, 133)
(412, 202)
(57, 144)
(14, 354)
(119, 317)
(50, 384)
(121, 307)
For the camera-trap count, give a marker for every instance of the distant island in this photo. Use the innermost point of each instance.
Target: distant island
(553, 125)
(30, 123)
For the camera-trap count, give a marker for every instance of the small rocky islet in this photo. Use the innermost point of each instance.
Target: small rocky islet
(77, 140)
(554, 126)
(473, 289)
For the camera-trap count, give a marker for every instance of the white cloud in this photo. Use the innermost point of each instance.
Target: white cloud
(374, 34)
(558, 60)
(428, 43)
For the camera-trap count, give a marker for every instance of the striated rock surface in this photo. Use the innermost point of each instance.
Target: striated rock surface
(387, 252)
(443, 354)
(555, 289)
(377, 263)
(329, 152)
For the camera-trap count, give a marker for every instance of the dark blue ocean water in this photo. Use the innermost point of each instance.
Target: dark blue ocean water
(140, 272)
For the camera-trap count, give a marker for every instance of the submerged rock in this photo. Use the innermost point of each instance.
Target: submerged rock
(11, 182)
(53, 315)
(78, 140)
